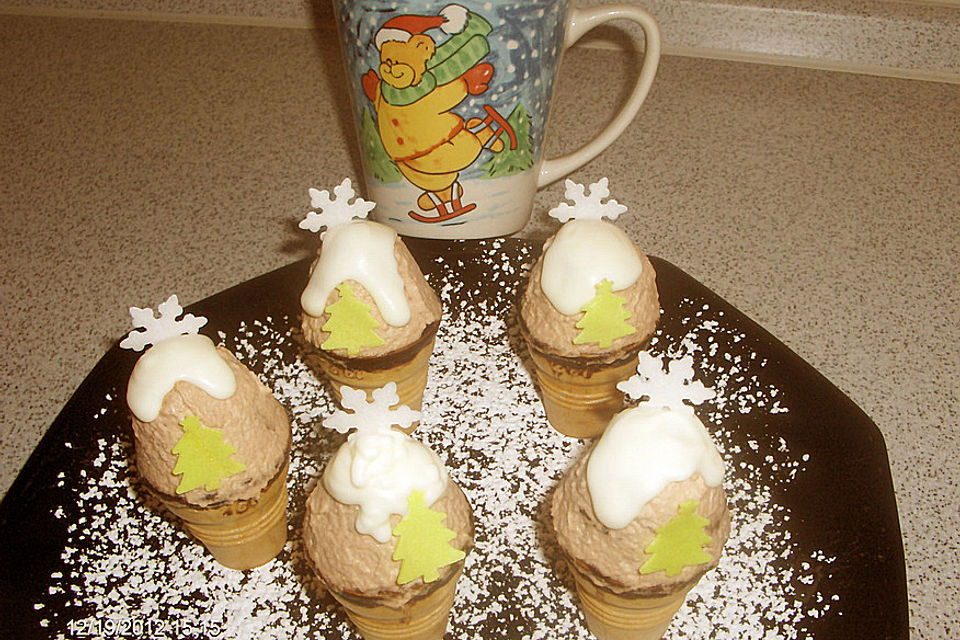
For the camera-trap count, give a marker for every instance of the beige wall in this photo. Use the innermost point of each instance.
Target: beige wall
(909, 38)
(282, 11)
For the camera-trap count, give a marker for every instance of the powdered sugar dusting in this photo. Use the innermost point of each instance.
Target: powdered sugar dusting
(124, 561)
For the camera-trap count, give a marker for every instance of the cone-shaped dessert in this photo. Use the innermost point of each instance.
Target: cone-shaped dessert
(591, 304)
(386, 528)
(212, 443)
(367, 308)
(640, 518)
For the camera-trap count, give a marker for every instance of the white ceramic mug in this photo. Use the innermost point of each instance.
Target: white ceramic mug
(451, 103)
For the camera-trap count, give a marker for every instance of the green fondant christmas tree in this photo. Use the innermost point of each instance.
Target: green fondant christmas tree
(203, 457)
(351, 325)
(604, 318)
(423, 543)
(679, 543)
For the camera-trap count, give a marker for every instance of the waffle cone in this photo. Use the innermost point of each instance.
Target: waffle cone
(242, 534)
(611, 616)
(407, 369)
(580, 396)
(423, 618)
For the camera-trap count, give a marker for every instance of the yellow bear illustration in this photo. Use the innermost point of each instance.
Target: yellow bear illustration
(414, 91)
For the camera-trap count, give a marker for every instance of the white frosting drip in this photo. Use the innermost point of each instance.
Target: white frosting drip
(582, 254)
(192, 358)
(360, 251)
(377, 470)
(642, 451)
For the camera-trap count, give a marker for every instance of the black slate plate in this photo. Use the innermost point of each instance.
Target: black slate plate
(816, 458)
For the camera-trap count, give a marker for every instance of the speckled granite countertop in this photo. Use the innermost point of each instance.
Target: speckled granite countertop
(141, 159)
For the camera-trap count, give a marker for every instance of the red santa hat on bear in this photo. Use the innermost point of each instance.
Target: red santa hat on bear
(451, 19)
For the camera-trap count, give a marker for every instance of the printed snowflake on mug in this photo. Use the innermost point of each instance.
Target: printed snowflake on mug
(341, 209)
(158, 328)
(378, 414)
(587, 206)
(666, 387)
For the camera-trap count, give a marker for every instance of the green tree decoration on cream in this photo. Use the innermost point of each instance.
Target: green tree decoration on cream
(351, 324)
(679, 543)
(604, 319)
(203, 457)
(423, 543)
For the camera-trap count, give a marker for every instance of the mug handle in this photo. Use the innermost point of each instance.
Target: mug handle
(581, 21)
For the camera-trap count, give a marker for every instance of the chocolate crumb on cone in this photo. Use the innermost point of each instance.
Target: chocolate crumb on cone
(361, 574)
(423, 618)
(367, 309)
(386, 529)
(240, 535)
(589, 307)
(635, 538)
(407, 367)
(579, 395)
(211, 441)
(611, 616)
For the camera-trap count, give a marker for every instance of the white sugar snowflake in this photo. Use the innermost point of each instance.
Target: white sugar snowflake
(371, 416)
(587, 207)
(667, 388)
(158, 329)
(341, 209)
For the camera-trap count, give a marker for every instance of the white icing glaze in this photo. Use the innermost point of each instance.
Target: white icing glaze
(360, 251)
(377, 470)
(192, 358)
(643, 450)
(582, 254)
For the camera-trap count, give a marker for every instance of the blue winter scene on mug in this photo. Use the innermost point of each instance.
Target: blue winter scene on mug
(451, 101)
